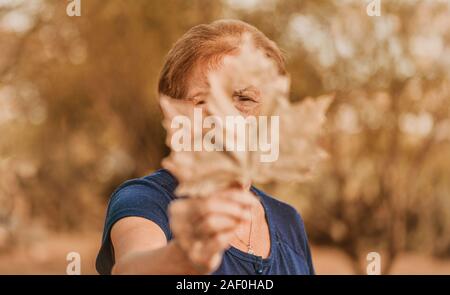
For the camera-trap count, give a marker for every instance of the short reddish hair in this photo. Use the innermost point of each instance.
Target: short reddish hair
(209, 43)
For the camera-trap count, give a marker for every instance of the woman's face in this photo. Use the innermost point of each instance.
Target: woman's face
(246, 98)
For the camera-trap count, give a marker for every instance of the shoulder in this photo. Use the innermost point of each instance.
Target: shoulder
(147, 197)
(158, 186)
(160, 180)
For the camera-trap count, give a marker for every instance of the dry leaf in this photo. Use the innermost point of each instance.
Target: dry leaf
(201, 173)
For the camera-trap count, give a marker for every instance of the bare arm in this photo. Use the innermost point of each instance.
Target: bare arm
(202, 228)
(140, 247)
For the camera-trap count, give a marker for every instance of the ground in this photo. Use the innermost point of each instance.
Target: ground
(48, 256)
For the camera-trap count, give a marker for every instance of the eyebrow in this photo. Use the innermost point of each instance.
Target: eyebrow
(250, 87)
(206, 92)
(239, 91)
(195, 97)
(198, 93)
(246, 88)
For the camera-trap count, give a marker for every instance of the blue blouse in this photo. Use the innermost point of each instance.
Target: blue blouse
(149, 197)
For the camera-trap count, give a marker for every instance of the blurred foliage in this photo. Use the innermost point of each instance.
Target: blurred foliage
(79, 112)
(82, 113)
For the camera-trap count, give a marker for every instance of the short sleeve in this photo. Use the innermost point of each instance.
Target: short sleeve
(141, 198)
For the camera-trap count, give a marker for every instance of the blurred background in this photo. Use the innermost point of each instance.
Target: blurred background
(79, 115)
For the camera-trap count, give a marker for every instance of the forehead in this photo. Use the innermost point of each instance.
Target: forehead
(197, 81)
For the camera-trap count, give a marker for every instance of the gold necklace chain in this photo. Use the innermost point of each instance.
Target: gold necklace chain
(249, 244)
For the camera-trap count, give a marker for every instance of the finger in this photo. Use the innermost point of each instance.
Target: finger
(202, 252)
(214, 224)
(201, 227)
(243, 197)
(220, 206)
(197, 215)
(183, 209)
(218, 243)
(180, 217)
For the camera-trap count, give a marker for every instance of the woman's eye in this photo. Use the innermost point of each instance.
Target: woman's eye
(245, 98)
(201, 102)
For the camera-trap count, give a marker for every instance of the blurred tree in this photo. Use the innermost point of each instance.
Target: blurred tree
(387, 184)
(83, 112)
(79, 111)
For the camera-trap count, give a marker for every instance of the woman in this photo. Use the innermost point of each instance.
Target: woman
(149, 230)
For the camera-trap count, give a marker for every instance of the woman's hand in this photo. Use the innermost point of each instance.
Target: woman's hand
(204, 227)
